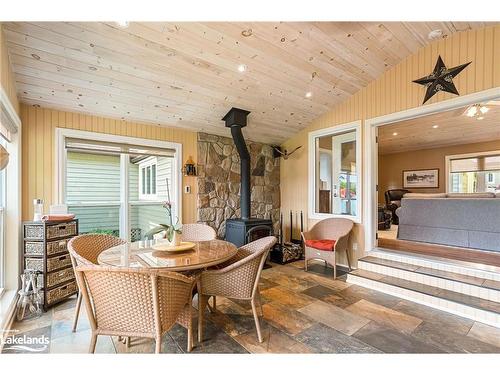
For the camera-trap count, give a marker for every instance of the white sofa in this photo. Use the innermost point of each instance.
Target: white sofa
(462, 220)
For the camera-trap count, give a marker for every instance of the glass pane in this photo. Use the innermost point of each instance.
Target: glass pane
(336, 174)
(148, 180)
(153, 179)
(464, 165)
(475, 182)
(492, 163)
(93, 191)
(144, 213)
(143, 170)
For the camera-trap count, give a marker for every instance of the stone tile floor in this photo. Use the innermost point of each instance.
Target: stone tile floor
(304, 312)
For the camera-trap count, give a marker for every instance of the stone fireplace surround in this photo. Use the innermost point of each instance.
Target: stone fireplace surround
(219, 182)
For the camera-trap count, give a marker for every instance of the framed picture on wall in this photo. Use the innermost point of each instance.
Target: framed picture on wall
(421, 178)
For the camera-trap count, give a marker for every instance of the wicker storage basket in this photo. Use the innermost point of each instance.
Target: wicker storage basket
(34, 231)
(61, 292)
(57, 247)
(58, 277)
(33, 248)
(61, 230)
(34, 264)
(58, 262)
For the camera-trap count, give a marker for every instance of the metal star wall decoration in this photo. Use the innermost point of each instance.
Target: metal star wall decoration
(441, 79)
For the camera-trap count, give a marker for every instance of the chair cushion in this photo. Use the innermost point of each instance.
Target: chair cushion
(325, 245)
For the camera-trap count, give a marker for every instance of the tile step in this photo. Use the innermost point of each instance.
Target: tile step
(464, 268)
(471, 307)
(470, 285)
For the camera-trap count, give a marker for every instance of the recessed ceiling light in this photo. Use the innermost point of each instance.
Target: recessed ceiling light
(242, 68)
(483, 109)
(472, 111)
(435, 126)
(434, 34)
(309, 94)
(395, 133)
(122, 24)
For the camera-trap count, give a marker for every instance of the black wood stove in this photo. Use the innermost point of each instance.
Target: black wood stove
(246, 229)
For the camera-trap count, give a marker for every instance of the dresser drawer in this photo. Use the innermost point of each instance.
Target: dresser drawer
(61, 230)
(34, 231)
(59, 277)
(33, 264)
(61, 292)
(57, 247)
(33, 248)
(58, 262)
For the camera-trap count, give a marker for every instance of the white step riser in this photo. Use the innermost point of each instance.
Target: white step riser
(469, 312)
(435, 264)
(455, 286)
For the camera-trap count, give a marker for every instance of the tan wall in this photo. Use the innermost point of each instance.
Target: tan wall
(391, 166)
(39, 126)
(6, 76)
(393, 92)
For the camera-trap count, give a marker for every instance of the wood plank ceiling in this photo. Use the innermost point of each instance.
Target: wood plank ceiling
(186, 74)
(443, 129)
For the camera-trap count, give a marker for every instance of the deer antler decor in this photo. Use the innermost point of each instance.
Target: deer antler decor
(285, 154)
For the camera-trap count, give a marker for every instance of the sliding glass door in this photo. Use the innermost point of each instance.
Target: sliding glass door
(118, 188)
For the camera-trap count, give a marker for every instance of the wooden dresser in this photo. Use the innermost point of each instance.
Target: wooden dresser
(45, 249)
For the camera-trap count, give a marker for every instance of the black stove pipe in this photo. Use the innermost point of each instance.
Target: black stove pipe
(236, 119)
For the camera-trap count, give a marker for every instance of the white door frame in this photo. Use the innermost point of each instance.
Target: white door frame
(371, 150)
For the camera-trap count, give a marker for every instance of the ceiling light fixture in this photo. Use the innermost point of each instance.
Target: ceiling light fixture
(476, 110)
(435, 34)
(309, 94)
(122, 24)
(242, 68)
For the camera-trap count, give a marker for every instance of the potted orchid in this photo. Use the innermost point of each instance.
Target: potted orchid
(172, 232)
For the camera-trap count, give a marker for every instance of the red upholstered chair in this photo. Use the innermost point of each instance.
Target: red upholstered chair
(325, 239)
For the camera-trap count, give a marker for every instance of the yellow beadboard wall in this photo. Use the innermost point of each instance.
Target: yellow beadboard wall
(6, 76)
(38, 160)
(394, 92)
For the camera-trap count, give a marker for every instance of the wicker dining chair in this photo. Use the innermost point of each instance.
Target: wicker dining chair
(198, 232)
(85, 249)
(239, 279)
(325, 239)
(136, 302)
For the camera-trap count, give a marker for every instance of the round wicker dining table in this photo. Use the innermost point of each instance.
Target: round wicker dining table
(142, 255)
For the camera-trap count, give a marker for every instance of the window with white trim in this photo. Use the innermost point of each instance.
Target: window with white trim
(3, 189)
(334, 172)
(474, 173)
(148, 178)
(117, 188)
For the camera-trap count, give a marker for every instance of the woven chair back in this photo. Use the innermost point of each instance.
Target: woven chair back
(331, 229)
(198, 232)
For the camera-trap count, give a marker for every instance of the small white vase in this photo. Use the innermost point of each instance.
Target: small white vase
(176, 240)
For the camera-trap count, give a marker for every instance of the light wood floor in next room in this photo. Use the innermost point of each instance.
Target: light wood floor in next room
(304, 312)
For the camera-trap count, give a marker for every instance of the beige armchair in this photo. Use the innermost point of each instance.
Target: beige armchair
(238, 279)
(198, 232)
(325, 239)
(85, 249)
(136, 302)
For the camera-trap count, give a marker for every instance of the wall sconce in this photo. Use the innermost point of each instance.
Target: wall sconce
(189, 168)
